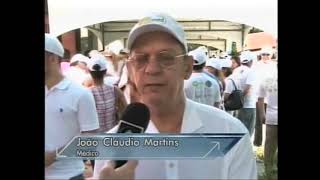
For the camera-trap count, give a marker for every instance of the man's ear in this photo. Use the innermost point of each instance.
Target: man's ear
(188, 67)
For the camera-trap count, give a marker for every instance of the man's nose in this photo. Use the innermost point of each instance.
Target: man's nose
(153, 66)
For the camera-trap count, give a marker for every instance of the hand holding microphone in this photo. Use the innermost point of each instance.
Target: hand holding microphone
(109, 171)
(135, 119)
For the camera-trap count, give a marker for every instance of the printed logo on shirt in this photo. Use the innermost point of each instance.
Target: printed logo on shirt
(208, 84)
(195, 83)
(271, 84)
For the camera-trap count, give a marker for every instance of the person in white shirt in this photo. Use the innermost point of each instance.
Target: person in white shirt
(235, 63)
(212, 69)
(199, 87)
(247, 79)
(69, 111)
(115, 61)
(263, 69)
(269, 89)
(231, 81)
(159, 64)
(78, 71)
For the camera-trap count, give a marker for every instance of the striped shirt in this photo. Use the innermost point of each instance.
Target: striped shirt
(105, 99)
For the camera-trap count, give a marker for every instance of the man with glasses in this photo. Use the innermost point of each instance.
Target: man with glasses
(263, 69)
(158, 64)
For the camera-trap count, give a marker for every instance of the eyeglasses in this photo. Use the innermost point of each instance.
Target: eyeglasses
(164, 58)
(265, 54)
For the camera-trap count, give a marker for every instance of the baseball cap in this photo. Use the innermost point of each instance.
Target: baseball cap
(99, 60)
(224, 55)
(79, 57)
(124, 51)
(213, 62)
(225, 63)
(157, 22)
(203, 48)
(115, 47)
(199, 57)
(92, 52)
(246, 56)
(266, 50)
(53, 45)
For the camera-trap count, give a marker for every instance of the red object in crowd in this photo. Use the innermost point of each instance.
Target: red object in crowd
(259, 40)
(64, 66)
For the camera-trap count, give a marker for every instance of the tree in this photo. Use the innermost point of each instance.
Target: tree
(255, 30)
(234, 51)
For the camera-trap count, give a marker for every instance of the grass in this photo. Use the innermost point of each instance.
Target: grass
(259, 151)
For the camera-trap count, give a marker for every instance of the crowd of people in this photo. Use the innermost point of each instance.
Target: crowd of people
(185, 90)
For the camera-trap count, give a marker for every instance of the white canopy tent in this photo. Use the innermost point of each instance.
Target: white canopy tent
(66, 15)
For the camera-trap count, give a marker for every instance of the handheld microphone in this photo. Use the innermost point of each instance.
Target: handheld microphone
(135, 119)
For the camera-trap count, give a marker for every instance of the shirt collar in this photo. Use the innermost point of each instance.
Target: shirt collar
(151, 128)
(190, 123)
(191, 119)
(62, 85)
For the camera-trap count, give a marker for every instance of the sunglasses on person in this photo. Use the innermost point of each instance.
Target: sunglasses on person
(265, 54)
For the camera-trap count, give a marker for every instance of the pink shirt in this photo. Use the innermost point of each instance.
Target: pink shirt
(64, 66)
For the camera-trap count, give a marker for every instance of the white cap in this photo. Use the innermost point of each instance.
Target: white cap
(157, 22)
(97, 59)
(225, 63)
(266, 50)
(224, 55)
(247, 56)
(124, 51)
(199, 57)
(115, 47)
(79, 57)
(92, 52)
(214, 62)
(53, 45)
(203, 48)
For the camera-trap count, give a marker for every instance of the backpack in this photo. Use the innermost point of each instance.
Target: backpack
(235, 99)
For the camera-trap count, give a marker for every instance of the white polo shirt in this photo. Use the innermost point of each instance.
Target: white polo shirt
(202, 89)
(238, 163)
(69, 109)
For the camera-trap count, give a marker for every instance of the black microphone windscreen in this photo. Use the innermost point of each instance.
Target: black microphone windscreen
(137, 114)
(135, 119)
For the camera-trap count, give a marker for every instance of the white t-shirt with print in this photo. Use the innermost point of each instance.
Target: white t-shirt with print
(269, 90)
(203, 89)
(263, 70)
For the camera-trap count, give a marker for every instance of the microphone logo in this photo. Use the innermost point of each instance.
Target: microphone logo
(127, 127)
